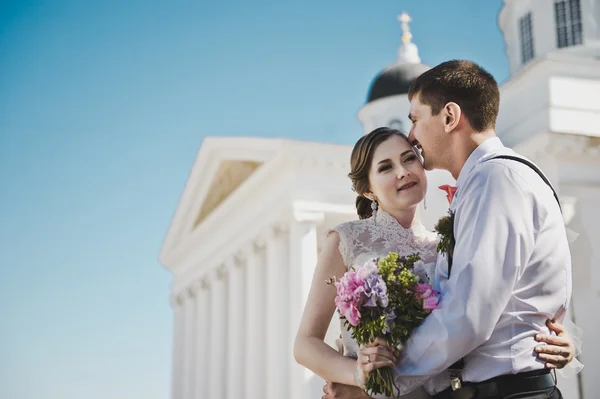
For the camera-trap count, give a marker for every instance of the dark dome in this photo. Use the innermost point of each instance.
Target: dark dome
(395, 80)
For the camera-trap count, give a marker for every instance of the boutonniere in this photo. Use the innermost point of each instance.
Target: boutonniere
(445, 229)
(450, 191)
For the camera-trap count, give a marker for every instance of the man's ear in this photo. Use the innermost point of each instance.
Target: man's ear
(452, 114)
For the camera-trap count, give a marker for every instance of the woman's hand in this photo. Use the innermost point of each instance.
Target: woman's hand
(371, 357)
(560, 349)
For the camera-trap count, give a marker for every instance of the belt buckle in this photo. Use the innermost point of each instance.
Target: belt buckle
(455, 383)
(455, 378)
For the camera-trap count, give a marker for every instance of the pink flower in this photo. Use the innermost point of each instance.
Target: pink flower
(430, 303)
(350, 296)
(428, 295)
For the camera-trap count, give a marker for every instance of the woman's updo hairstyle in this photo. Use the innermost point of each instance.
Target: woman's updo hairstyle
(360, 164)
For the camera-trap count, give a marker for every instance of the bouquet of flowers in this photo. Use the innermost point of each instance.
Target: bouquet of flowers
(384, 298)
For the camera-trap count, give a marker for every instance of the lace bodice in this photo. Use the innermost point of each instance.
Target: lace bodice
(374, 237)
(361, 240)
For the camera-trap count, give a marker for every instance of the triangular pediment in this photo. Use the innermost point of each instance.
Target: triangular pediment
(230, 174)
(223, 166)
(230, 179)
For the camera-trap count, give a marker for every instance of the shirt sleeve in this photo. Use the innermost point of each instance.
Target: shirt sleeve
(494, 230)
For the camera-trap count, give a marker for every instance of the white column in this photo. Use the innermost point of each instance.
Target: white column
(303, 259)
(189, 306)
(218, 327)
(177, 359)
(203, 339)
(236, 329)
(255, 376)
(279, 352)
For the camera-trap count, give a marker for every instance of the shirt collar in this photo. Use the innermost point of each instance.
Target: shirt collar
(492, 144)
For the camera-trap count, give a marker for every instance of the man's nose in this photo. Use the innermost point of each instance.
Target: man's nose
(411, 137)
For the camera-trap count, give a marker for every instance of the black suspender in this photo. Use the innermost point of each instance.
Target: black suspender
(535, 168)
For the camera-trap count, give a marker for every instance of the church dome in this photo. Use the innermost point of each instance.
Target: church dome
(395, 80)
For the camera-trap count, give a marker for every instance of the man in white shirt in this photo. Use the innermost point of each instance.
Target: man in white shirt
(511, 265)
(510, 269)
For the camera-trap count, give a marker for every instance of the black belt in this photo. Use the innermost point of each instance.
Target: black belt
(500, 386)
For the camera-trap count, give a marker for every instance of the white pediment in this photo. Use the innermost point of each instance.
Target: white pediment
(223, 165)
(230, 174)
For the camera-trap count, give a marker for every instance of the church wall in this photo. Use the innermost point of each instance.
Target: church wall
(586, 282)
(544, 98)
(575, 105)
(523, 107)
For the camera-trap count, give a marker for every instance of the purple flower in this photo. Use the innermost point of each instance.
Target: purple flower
(374, 287)
(390, 316)
(419, 271)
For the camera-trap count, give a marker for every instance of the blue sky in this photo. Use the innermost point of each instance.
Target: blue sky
(103, 106)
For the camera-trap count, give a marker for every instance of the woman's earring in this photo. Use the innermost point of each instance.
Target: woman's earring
(425, 203)
(374, 207)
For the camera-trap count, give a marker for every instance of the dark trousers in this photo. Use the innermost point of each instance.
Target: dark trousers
(552, 393)
(531, 385)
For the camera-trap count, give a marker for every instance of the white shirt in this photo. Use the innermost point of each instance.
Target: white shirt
(511, 272)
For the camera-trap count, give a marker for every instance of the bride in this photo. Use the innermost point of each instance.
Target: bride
(390, 182)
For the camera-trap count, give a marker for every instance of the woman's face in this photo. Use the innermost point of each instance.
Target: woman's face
(396, 176)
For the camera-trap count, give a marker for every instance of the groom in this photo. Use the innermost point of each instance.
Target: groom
(511, 266)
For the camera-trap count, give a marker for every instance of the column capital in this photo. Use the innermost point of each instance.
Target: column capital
(260, 241)
(238, 260)
(220, 272)
(254, 246)
(177, 299)
(190, 291)
(278, 229)
(200, 284)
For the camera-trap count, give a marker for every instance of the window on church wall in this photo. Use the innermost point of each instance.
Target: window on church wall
(526, 33)
(568, 23)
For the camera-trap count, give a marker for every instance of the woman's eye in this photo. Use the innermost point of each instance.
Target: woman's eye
(410, 158)
(384, 168)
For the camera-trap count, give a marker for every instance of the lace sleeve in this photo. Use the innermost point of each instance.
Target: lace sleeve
(344, 248)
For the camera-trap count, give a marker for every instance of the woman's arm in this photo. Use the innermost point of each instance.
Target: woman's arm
(310, 350)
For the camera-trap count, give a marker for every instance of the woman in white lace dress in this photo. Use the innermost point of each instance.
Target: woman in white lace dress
(390, 182)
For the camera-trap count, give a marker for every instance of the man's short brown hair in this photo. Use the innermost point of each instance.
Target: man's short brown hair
(467, 84)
